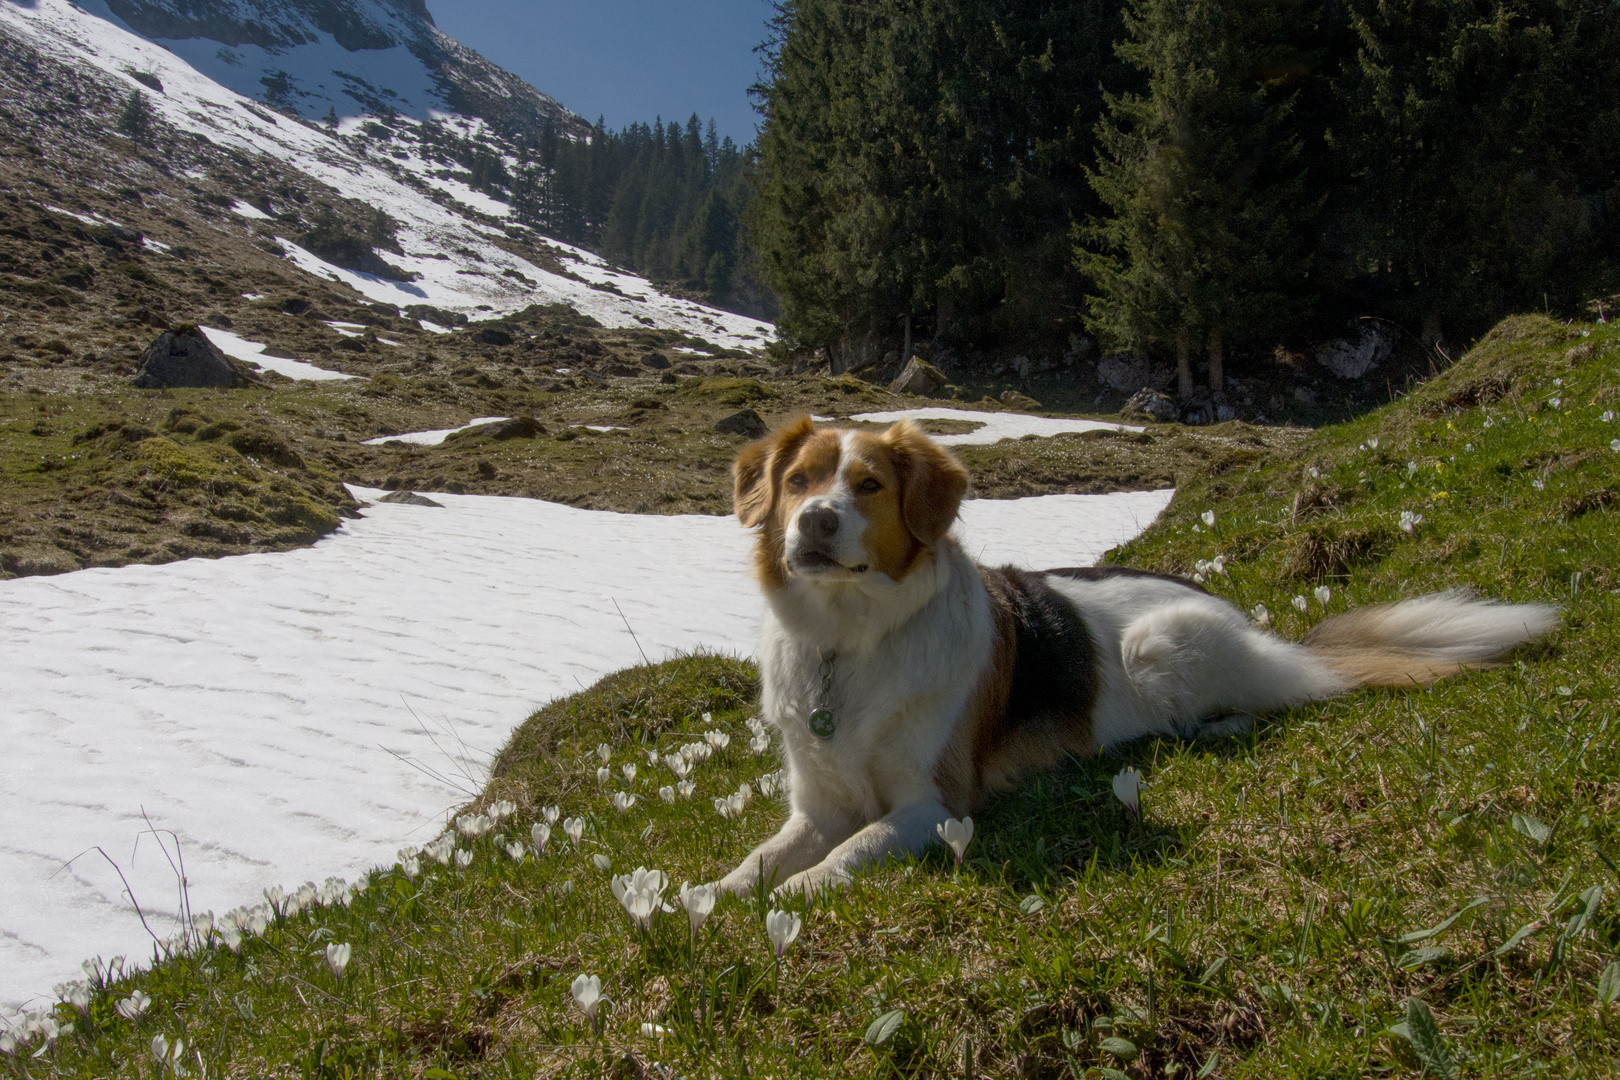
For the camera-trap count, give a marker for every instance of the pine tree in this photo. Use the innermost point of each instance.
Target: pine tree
(1205, 237)
(135, 121)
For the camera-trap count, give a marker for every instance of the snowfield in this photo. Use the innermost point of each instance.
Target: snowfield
(285, 717)
(479, 273)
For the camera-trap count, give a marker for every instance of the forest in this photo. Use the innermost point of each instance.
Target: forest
(1194, 179)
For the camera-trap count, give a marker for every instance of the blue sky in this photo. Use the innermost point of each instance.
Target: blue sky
(625, 60)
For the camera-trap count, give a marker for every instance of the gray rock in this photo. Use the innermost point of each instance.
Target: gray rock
(519, 427)
(655, 360)
(186, 358)
(1149, 404)
(409, 498)
(920, 378)
(1126, 372)
(1352, 359)
(745, 422)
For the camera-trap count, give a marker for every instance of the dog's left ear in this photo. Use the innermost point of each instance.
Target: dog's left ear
(932, 482)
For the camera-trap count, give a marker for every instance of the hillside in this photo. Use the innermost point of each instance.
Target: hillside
(1394, 883)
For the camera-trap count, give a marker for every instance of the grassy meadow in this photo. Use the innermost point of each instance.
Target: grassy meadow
(1390, 884)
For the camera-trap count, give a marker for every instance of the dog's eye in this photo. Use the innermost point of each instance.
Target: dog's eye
(798, 481)
(868, 486)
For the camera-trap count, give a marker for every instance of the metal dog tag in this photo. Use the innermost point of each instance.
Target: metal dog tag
(823, 723)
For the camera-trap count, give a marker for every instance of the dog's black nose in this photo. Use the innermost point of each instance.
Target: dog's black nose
(818, 522)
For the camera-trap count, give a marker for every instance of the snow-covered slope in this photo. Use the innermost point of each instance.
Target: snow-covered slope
(349, 56)
(451, 236)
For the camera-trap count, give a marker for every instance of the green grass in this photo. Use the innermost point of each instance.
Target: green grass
(1286, 900)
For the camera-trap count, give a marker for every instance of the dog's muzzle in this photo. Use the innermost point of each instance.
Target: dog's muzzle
(815, 545)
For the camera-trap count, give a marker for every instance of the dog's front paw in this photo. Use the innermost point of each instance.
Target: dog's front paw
(740, 882)
(812, 881)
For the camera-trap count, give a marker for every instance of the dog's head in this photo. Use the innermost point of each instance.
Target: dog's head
(835, 505)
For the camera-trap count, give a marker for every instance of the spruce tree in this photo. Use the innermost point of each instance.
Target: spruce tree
(1205, 236)
(135, 121)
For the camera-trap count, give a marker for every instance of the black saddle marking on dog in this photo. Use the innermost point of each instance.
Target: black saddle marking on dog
(1055, 667)
(1103, 573)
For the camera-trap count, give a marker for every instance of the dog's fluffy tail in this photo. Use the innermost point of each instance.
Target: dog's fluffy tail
(1415, 642)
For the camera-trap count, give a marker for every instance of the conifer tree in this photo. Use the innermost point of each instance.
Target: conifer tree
(1204, 239)
(135, 121)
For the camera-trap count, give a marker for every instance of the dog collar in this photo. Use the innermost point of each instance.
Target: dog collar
(822, 721)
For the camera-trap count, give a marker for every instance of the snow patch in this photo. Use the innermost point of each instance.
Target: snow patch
(997, 426)
(252, 352)
(434, 438)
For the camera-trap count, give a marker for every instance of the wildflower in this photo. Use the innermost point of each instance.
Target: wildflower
(550, 814)
(168, 1055)
(602, 861)
(1314, 473)
(1261, 615)
(1555, 402)
(755, 724)
(232, 937)
(473, 826)
(1301, 604)
(603, 775)
(652, 1031)
(685, 788)
(698, 900)
(667, 793)
(259, 918)
(652, 758)
(1372, 443)
(464, 858)
(1323, 595)
(1127, 789)
(708, 718)
(1208, 518)
(1409, 522)
(1614, 444)
(1411, 468)
(760, 743)
(629, 771)
(604, 751)
(641, 892)
(337, 957)
(515, 849)
(1608, 416)
(575, 828)
(500, 811)
(783, 927)
(956, 834)
(1539, 484)
(717, 739)
(722, 806)
(678, 765)
(623, 801)
(540, 832)
(1198, 578)
(587, 991)
(76, 994)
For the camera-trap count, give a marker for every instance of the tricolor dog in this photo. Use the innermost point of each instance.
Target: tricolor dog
(910, 684)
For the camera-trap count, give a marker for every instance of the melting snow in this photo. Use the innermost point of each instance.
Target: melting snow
(434, 438)
(253, 353)
(997, 426)
(286, 714)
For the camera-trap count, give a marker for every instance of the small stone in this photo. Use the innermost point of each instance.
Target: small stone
(745, 422)
(1014, 400)
(919, 378)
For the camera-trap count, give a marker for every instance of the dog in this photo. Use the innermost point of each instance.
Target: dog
(910, 684)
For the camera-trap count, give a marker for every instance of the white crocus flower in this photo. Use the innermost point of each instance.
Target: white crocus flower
(629, 771)
(722, 806)
(1218, 564)
(956, 834)
(502, 810)
(515, 850)
(652, 759)
(754, 724)
(1323, 595)
(623, 801)
(654, 1031)
(782, 927)
(1372, 443)
(641, 892)
(1262, 614)
(232, 937)
(605, 752)
(760, 743)
(1409, 522)
(603, 775)
(550, 814)
(698, 900)
(667, 793)
(717, 739)
(678, 764)
(685, 788)
(540, 832)
(574, 828)
(464, 858)
(1208, 518)
(337, 957)
(1127, 789)
(602, 861)
(1301, 604)
(587, 991)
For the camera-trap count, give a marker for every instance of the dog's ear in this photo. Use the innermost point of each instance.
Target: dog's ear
(932, 482)
(754, 471)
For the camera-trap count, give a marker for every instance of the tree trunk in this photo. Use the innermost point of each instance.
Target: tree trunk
(1217, 362)
(1184, 378)
(905, 353)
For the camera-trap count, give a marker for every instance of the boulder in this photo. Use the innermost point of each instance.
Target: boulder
(1352, 359)
(184, 357)
(1125, 372)
(1014, 400)
(920, 378)
(1149, 404)
(655, 360)
(493, 335)
(519, 427)
(409, 498)
(746, 422)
